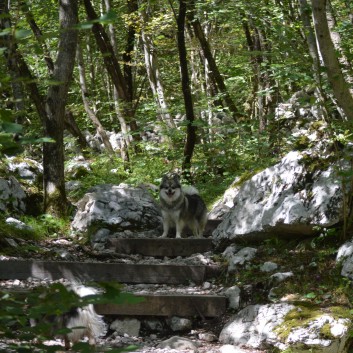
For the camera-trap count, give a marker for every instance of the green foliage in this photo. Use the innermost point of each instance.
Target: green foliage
(47, 225)
(35, 229)
(316, 279)
(43, 305)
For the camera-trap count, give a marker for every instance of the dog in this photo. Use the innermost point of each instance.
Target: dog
(81, 321)
(181, 206)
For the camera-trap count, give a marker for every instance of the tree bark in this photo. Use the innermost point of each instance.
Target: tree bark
(327, 50)
(91, 114)
(113, 68)
(55, 201)
(70, 123)
(124, 151)
(71, 126)
(185, 83)
(153, 73)
(214, 71)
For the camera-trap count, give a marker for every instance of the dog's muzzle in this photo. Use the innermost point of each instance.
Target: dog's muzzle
(170, 192)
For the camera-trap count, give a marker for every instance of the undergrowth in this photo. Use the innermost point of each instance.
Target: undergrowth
(316, 275)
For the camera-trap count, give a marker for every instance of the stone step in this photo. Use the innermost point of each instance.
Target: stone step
(160, 247)
(158, 304)
(169, 305)
(97, 271)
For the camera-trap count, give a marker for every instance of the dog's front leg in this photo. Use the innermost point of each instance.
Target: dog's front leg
(179, 228)
(165, 225)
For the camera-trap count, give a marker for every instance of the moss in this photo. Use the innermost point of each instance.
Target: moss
(304, 314)
(302, 143)
(245, 177)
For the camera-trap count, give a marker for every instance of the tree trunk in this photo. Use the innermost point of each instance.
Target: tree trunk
(71, 126)
(153, 74)
(337, 43)
(113, 68)
(214, 72)
(124, 151)
(69, 123)
(313, 51)
(185, 83)
(327, 50)
(55, 201)
(39, 36)
(91, 114)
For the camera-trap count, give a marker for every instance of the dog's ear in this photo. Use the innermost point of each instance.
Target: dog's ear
(176, 177)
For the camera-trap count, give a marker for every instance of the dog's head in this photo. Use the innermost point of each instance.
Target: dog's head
(170, 188)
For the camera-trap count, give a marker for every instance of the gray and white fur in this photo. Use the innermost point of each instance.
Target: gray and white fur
(83, 322)
(181, 206)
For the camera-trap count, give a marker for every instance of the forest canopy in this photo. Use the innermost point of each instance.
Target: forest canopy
(191, 84)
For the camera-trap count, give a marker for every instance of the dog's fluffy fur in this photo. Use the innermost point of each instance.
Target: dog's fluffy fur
(83, 322)
(181, 206)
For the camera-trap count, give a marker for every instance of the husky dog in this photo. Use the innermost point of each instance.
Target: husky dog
(181, 206)
(83, 322)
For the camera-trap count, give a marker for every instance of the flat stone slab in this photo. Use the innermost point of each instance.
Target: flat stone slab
(96, 271)
(169, 305)
(160, 247)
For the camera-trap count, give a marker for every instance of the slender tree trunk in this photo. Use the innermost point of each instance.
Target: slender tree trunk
(113, 68)
(52, 109)
(124, 151)
(305, 13)
(337, 42)
(71, 126)
(327, 50)
(70, 123)
(185, 83)
(153, 73)
(85, 94)
(39, 36)
(214, 71)
(55, 201)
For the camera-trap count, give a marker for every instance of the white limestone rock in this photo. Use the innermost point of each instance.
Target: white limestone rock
(179, 323)
(130, 327)
(253, 326)
(117, 208)
(233, 295)
(179, 343)
(12, 195)
(260, 327)
(269, 267)
(286, 198)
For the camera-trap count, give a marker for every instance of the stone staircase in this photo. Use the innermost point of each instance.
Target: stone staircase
(168, 289)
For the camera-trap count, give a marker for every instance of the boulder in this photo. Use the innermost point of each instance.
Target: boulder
(12, 195)
(289, 198)
(233, 296)
(179, 343)
(345, 257)
(225, 204)
(77, 168)
(179, 323)
(25, 169)
(298, 329)
(254, 326)
(117, 211)
(130, 327)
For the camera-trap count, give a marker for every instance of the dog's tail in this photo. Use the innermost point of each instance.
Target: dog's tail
(189, 190)
(94, 325)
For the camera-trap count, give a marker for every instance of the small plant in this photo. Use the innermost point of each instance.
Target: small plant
(47, 225)
(42, 305)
